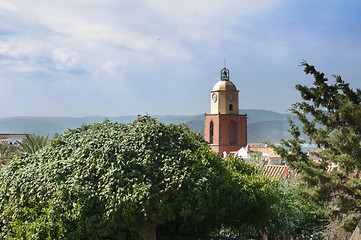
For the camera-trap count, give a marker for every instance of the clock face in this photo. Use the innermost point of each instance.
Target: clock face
(231, 97)
(214, 97)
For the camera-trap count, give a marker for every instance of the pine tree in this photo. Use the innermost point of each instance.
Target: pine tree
(331, 118)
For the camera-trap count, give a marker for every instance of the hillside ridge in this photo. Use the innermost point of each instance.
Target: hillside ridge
(263, 125)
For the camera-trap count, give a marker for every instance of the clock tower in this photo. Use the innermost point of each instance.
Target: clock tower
(225, 129)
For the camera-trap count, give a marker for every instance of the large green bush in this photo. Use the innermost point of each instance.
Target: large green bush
(295, 217)
(112, 181)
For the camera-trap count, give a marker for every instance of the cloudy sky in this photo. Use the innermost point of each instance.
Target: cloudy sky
(117, 57)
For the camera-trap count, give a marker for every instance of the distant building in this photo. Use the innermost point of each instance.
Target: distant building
(268, 154)
(12, 140)
(225, 129)
(270, 163)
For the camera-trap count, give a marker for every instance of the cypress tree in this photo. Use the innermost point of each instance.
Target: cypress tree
(330, 116)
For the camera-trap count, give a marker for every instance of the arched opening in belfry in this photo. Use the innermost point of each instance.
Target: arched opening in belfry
(230, 107)
(211, 128)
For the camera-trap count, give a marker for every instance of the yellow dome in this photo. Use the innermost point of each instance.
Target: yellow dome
(224, 85)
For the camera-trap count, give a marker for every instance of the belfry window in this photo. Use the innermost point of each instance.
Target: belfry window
(211, 132)
(230, 107)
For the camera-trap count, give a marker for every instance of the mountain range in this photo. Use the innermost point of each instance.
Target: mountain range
(263, 125)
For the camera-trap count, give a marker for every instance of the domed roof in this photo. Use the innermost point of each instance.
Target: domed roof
(224, 85)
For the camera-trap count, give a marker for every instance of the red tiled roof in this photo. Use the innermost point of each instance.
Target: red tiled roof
(232, 154)
(275, 171)
(264, 150)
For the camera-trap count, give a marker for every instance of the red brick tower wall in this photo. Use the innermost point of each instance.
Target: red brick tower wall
(229, 132)
(215, 119)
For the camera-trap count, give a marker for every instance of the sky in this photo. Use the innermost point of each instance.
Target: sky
(79, 58)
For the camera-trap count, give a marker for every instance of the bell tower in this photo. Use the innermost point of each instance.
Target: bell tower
(225, 129)
(224, 96)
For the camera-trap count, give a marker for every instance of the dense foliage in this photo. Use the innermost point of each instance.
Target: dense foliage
(294, 217)
(330, 115)
(6, 154)
(112, 181)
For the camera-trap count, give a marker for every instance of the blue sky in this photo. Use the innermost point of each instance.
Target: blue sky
(116, 57)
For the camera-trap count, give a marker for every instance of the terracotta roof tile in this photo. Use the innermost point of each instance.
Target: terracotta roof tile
(275, 171)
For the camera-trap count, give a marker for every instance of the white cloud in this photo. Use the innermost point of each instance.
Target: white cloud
(64, 58)
(7, 6)
(205, 20)
(21, 67)
(23, 46)
(109, 66)
(94, 32)
(18, 66)
(7, 61)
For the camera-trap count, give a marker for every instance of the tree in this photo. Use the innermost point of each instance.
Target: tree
(295, 216)
(331, 118)
(5, 154)
(33, 143)
(116, 181)
(259, 160)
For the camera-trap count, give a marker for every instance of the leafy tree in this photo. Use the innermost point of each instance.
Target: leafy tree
(331, 118)
(115, 181)
(5, 154)
(33, 143)
(258, 160)
(295, 217)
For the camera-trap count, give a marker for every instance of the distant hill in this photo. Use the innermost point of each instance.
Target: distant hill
(263, 125)
(271, 131)
(256, 115)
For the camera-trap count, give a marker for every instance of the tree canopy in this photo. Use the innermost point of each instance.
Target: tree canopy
(331, 118)
(112, 181)
(6, 153)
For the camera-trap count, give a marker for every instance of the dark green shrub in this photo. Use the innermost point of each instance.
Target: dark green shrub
(111, 181)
